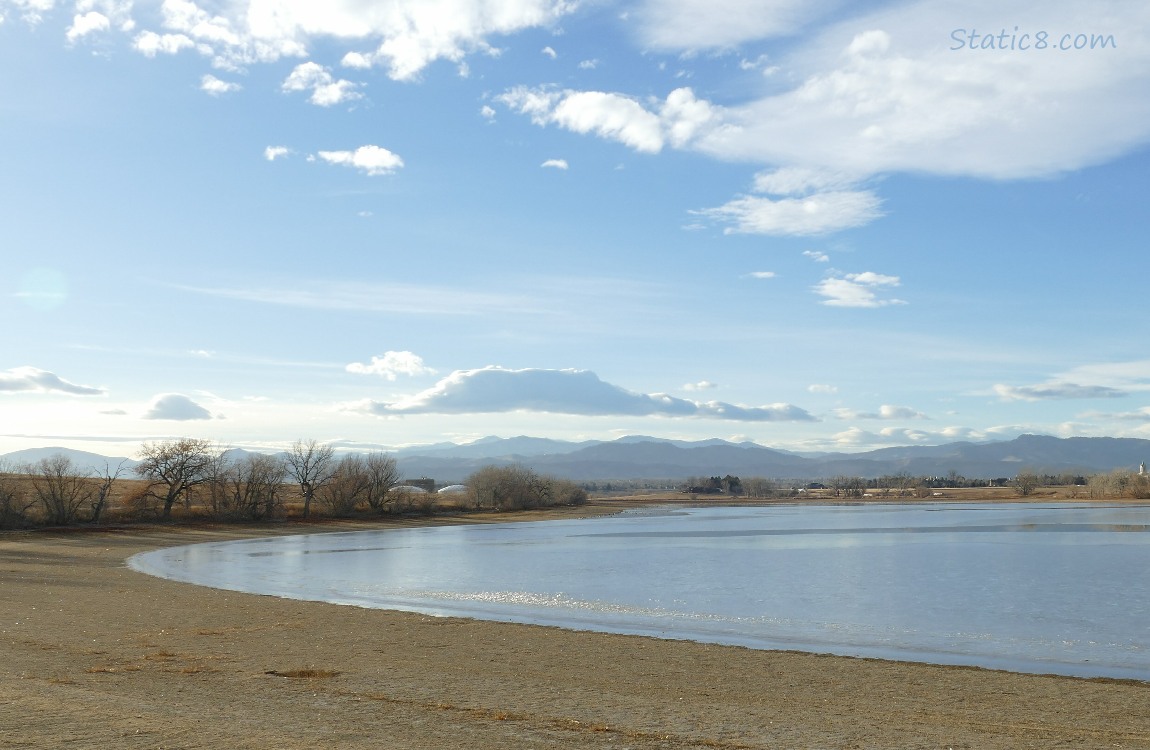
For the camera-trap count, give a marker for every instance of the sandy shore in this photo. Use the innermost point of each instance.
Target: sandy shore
(96, 655)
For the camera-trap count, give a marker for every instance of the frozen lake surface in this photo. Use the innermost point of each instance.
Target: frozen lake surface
(1034, 588)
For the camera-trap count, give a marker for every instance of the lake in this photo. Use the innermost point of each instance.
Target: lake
(1059, 588)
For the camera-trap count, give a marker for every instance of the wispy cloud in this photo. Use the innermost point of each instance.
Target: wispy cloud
(406, 299)
(271, 153)
(858, 290)
(35, 380)
(555, 164)
(577, 392)
(886, 411)
(762, 274)
(1056, 391)
(817, 214)
(1138, 415)
(691, 25)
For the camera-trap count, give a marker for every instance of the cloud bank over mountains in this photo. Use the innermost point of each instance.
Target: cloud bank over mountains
(580, 392)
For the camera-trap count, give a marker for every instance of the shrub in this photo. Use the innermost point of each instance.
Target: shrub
(517, 488)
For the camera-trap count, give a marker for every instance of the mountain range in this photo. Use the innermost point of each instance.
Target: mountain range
(644, 457)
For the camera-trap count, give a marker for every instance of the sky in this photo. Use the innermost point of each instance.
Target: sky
(813, 224)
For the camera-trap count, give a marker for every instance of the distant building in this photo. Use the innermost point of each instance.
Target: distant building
(423, 483)
(1142, 469)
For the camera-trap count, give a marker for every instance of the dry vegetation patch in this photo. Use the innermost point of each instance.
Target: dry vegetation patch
(309, 673)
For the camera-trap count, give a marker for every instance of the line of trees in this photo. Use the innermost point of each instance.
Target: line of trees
(1117, 484)
(199, 477)
(55, 491)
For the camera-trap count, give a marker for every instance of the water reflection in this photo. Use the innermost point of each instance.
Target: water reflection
(1043, 589)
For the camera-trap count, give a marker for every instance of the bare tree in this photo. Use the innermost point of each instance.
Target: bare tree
(311, 465)
(517, 487)
(104, 489)
(248, 488)
(174, 467)
(1026, 482)
(759, 487)
(14, 500)
(348, 486)
(60, 490)
(382, 473)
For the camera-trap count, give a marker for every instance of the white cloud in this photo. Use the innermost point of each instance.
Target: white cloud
(859, 438)
(356, 60)
(886, 411)
(31, 11)
(403, 36)
(33, 379)
(549, 52)
(391, 365)
(817, 256)
(326, 90)
(762, 274)
(555, 163)
(884, 93)
(879, 93)
(176, 407)
(812, 215)
(588, 64)
(214, 86)
(702, 385)
(822, 388)
(487, 112)
(271, 153)
(150, 44)
(579, 392)
(857, 290)
(677, 121)
(85, 24)
(371, 160)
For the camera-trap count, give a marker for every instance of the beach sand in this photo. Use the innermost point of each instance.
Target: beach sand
(96, 655)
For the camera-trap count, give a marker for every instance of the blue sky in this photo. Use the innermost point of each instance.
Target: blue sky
(815, 225)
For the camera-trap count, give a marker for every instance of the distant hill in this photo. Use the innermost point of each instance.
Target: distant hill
(643, 457)
(89, 463)
(639, 457)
